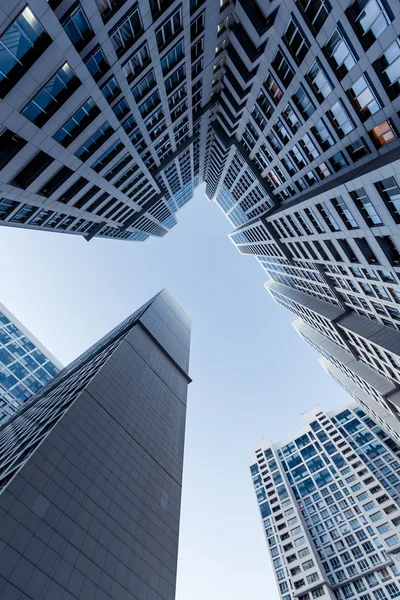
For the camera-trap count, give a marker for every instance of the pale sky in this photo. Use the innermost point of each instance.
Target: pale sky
(252, 374)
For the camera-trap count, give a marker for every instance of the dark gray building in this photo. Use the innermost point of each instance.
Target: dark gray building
(91, 469)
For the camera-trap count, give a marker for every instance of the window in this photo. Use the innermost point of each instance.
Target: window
(363, 98)
(390, 193)
(107, 156)
(358, 149)
(314, 220)
(344, 212)
(275, 143)
(149, 104)
(172, 58)
(7, 207)
(77, 28)
(258, 117)
(22, 216)
(154, 119)
(125, 160)
(195, 4)
(273, 89)
(32, 170)
(366, 208)
(322, 135)
(339, 53)
(315, 13)
(126, 33)
(10, 145)
(369, 19)
(299, 542)
(94, 142)
(158, 7)
(166, 33)
(296, 41)
(197, 69)
(177, 97)
(55, 182)
(340, 119)
(265, 105)
(77, 123)
(110, 89)
(76, 187)
(176, 78)
(319, 81)
(196, 27)
(282, 132)
(303, 102)
(291, 119)
(136, 63)
(108, 7)
(144, 86)
(392, 540)
(393, 255)
(297, 157)
(289, 166)
(323, 170)
(383, 134)
(283, 68)
(97, 64)
(393, 590)
(308, 147)
(327, 217)
(53, 95)
(338, 161)
(121, 109)
(388, 69)
(197, 50)
(20, 46)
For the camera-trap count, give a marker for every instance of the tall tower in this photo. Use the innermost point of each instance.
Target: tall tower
(105, 110)
(91, 468)
(25, 364)
(305, 165)
(329, 500)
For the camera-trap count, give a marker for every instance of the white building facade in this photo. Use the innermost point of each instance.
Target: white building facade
(329, 499)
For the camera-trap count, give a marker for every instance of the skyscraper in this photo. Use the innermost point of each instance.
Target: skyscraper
(329, 499)
(306, 169)
(105, 107)
(91, 468)
(25, 364)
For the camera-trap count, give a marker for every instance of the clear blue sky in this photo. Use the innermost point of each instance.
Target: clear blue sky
(252, 374)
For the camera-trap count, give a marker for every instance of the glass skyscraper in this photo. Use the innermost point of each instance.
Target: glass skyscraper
(25, 364)
(329, 500)
(91, 468)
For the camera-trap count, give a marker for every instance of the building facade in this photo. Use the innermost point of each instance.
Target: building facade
(91, 468)
(25, 364)
(329, 499)
(303, 159)
(104, 113)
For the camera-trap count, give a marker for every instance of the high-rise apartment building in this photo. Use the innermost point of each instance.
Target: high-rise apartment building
(25, 364)
(104, 113)
(329, 499)
(91, 468)
(305, 165)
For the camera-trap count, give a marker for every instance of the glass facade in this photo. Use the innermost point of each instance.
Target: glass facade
(24, 366)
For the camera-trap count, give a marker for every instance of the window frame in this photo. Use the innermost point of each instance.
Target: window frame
(37, 45)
